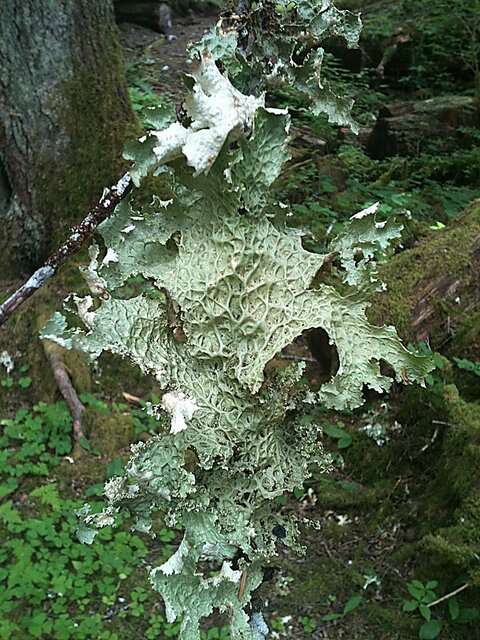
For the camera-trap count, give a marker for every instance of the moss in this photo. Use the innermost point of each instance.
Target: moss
(467, 339)
(111, 434)
(20, 338)
(338, 494)
(97, 121)
(448, 255)
(313, 582)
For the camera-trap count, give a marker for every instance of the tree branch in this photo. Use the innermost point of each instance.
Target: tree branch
(68, 391)
(82, 232)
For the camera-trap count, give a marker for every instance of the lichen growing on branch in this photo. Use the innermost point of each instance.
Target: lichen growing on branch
(226, 288)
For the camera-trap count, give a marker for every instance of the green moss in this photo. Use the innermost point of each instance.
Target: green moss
(97, 121)
(444, 259)
(313, 582)
(111, 434)
(341, 494)
(451, 503)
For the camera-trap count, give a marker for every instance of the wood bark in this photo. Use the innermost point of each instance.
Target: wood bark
(64, 115)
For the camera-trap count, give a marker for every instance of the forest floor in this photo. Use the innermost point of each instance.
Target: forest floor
(383, 519)
(159, 61)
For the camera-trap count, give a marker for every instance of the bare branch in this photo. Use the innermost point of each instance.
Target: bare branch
(449, 595)
(68, 391)
(82, 232)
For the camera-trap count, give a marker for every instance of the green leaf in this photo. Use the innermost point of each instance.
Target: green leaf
(330, 617)
(430, 630)
(8, 515)
(415, 591)
(8, 487)
(114, 468)
(425, 612)
(85, 444)
(453, 608)
(48, 495)
(344, 443)
(24, 382)
(409, 605)
(417, 584)
(352, 604)
(468, 615)
(335, 432)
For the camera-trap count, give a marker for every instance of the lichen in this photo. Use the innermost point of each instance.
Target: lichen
(226, 288)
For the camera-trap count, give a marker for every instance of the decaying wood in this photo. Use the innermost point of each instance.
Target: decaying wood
(405, 127)
(433, 289)
(82, 232)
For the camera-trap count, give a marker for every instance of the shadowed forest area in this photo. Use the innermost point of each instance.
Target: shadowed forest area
(395, 550)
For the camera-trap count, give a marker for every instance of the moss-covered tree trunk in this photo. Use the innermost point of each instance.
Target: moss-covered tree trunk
(64, 116)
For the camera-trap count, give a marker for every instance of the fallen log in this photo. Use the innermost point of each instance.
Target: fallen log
(433, 289)
(407, 128)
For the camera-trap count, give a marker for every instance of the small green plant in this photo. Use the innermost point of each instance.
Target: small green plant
(52, 586)
(352, 603)
(468, 365)
(422, 596)
(342, 438)
(308, 624)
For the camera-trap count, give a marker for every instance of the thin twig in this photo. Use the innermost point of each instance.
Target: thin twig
(286, 356)
(82, 232)
(449, 595)
(432, 440)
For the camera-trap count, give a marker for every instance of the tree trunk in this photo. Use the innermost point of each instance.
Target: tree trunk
(433, 289)
(64, 116)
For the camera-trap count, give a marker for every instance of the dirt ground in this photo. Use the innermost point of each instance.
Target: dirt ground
(160, 60)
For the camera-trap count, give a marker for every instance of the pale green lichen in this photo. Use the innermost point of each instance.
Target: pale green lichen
(233, 288)
(280, 45)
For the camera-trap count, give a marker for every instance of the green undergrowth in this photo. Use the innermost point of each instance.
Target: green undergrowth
(400, 507)
(51, 585)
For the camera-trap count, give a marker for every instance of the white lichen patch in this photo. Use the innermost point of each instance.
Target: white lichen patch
(7, 361)
(180, 408)
(110, 256)
(174, 564)
(216, 109)
(96, 283)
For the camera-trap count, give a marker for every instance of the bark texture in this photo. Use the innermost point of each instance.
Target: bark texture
(64, 116)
